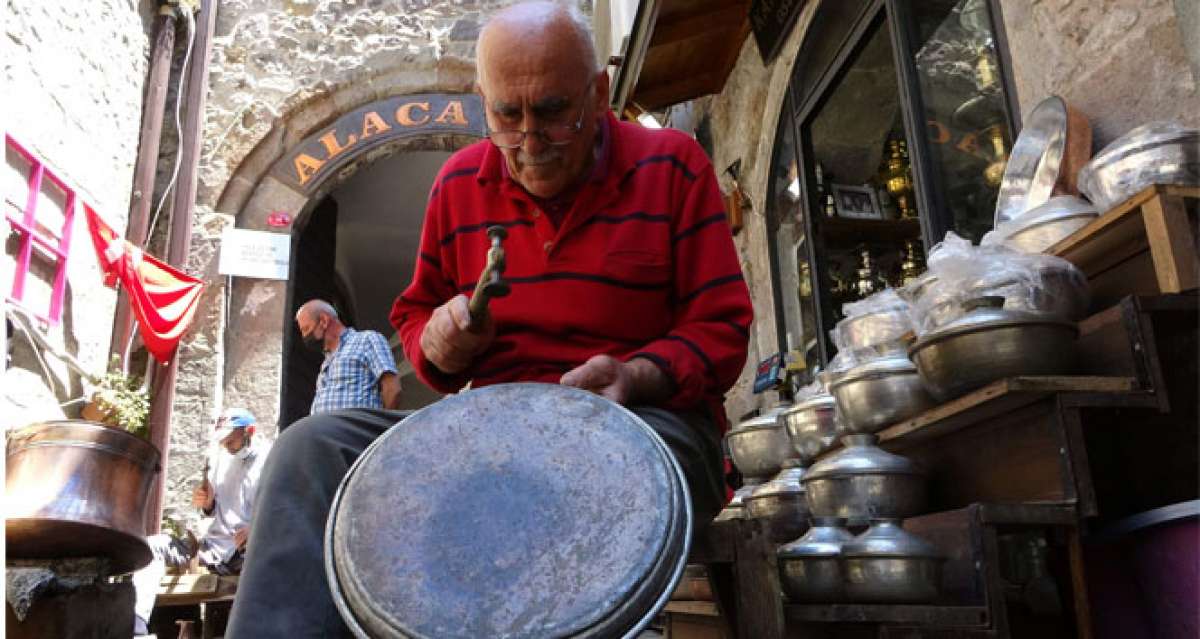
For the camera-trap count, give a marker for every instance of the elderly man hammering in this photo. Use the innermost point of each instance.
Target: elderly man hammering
(625, 282)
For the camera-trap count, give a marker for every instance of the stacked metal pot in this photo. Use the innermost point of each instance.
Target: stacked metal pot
(985, 313)
(772, 451)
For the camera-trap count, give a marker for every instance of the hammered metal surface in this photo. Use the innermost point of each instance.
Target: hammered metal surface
(517, 510)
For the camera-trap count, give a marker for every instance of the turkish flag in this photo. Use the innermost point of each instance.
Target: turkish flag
(164, 298)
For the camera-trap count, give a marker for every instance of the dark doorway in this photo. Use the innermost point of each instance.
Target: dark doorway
(314, 275)
(357, 250)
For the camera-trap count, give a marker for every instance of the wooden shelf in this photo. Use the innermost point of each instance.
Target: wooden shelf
(1002, 397)
(699, 608)
(1112, 249)
(909, 615)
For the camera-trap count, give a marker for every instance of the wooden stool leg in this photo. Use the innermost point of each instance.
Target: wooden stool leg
(1172, 247)
(185, 628)
(1083, 610)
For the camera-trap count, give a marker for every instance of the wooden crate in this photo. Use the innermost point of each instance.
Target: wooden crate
(1144, 246)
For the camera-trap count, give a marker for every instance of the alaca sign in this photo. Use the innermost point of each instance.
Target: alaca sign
(375, 124)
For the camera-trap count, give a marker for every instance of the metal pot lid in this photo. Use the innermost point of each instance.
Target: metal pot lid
(769, 419)
(816, 402)
(1141, 138)
(860, 456)
(895, 363)
(740, 495)
(786, 483)
(826, 538)
(885, 538)
(988, 314)
(510, 510)
(1060, 207)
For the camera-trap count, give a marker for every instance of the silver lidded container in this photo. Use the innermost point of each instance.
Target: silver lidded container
(887, 564)
(879, 393)
(736, 508)
(1154, 153)
(862, 482)
(812, 426)
(1042, 227)
(991, 343)
(810, 568)
(780, 504)
(759, 445)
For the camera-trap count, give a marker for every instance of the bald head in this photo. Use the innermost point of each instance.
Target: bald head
(538, 75)
(316, 309)
(538, 26)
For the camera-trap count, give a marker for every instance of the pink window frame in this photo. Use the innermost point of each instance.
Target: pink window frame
(27, 227)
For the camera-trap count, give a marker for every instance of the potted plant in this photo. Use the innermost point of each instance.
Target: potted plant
(119, 400)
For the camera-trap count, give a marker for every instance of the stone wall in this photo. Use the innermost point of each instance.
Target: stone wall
(1122, 62)
(743, 121)
(74, 74)
(274, 59)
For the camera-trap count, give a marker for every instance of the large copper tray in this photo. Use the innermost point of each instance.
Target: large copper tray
(1054, 144)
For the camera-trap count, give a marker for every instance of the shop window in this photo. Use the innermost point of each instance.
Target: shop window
(789, 228)
(40, 209)
(897, 123)
(863, 183)
(962, 103)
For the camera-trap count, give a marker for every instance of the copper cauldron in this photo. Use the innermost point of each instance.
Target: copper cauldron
(78, 489)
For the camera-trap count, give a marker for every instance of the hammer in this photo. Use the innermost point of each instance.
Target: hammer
(489, 285)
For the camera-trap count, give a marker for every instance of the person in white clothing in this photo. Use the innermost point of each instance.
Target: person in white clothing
(226, 493)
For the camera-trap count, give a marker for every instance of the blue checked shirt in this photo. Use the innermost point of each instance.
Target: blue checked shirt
(350, 375)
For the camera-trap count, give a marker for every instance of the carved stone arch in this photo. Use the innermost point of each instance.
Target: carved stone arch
(264, 182)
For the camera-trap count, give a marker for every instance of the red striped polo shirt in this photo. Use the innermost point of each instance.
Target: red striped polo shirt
(643, 265)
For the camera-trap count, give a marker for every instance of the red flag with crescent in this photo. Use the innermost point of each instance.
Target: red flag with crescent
(164, 299)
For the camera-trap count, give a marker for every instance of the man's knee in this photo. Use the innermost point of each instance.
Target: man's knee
(304, 442)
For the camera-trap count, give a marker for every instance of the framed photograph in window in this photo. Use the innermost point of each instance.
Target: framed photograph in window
(856, 202)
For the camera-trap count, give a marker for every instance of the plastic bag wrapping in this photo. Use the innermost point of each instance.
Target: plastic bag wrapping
(1000, 234)
(877, 319)
(809, 391)
(960, 271)
(850, 357)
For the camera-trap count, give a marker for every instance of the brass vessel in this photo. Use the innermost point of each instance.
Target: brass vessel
(899, 180)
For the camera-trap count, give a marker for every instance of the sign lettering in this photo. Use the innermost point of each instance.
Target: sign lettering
(374, 124)
(404, 113)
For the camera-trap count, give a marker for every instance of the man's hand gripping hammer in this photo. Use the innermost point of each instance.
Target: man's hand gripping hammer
(489, 285)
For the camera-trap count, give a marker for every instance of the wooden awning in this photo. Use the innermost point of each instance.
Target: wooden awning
(693, 45)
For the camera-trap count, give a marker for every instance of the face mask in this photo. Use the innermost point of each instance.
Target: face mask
(244, 453)
(314, 343)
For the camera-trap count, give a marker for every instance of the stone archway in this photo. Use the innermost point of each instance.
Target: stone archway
(295, 180)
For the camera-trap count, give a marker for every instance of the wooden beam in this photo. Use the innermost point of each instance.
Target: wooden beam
(732, 53)
(681, 90)
(675, 29)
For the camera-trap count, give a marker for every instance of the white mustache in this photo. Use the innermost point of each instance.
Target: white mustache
(550, 156)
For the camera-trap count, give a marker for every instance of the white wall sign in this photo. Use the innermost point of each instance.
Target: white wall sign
(247, 253)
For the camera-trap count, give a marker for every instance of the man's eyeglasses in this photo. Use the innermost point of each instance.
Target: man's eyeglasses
(558, 134)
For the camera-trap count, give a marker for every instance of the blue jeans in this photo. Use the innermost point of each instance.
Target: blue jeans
(283, 592)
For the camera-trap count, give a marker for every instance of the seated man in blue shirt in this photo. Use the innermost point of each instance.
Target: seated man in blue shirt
(358, 371)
